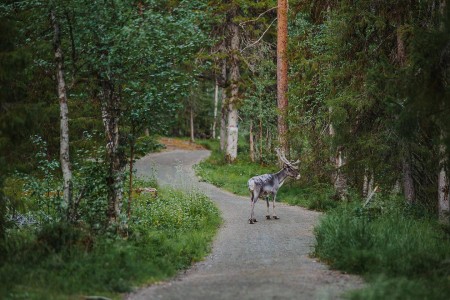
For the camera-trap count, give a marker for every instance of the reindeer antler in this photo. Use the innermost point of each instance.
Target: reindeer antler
(284, 159)
(296, 163)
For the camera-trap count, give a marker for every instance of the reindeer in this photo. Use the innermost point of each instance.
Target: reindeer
(264, 185)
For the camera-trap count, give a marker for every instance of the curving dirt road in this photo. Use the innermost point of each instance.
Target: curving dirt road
(267, 260)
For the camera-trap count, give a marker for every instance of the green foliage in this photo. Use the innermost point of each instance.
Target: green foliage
(42, 190)
(166, 234)
(403, 288)
(172, 211)
(386, 240)
(147, 144)
(371, 71)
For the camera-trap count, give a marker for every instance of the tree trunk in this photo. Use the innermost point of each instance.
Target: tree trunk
(282, 72)
(232, 133)
(340, 184)
(252, 145)
(130, 192)
(192, 125)
(223, 127)
(408, 181)
(338, 176)
(216, 101)
(224, 110)
(365, 189)
(368, 183)
(443, 187)
(443, 180)
(260, 141)
(114, 157)
(64, 123)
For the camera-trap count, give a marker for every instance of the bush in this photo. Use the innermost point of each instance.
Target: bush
(59, 260)
(147, 144)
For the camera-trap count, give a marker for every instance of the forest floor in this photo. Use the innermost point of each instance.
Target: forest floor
(179, 144)
(267, 260)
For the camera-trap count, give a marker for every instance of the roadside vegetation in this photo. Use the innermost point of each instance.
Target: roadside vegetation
(165, 234)
(401, 250)
(234, 177)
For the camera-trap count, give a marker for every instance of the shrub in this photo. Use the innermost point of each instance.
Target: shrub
(166, 234)
(407, 250)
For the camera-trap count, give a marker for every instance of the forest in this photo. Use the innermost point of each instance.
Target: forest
(88, 87)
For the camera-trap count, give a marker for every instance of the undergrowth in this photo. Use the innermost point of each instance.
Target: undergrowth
(58, 261)
(403, 253)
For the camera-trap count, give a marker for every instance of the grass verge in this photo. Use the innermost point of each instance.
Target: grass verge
(402, 256)
(234, 177)
(167, 233)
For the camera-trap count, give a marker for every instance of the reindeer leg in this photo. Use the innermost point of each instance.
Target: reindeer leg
(252, 220)
(273, 203)
(253, 199)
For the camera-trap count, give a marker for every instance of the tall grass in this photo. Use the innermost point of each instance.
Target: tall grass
(166, 234)
(402, 255)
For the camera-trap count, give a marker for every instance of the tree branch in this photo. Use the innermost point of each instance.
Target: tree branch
(259, 39)
(242, 23)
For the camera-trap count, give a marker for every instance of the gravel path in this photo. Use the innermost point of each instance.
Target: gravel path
(267, 260)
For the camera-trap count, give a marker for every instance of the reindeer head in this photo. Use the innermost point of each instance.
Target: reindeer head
(290, 167)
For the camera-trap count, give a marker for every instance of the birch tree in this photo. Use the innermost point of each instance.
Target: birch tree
(216, 102)
(224, 108)
(64, 120)
(233, 113)
(443, 179)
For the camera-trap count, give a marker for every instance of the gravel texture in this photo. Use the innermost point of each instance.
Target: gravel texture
(267, 260)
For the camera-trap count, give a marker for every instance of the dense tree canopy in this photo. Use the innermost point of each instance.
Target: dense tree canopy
(368, 90)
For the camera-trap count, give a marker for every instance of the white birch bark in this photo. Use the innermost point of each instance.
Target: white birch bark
(192, 125)
(443, 187)
(223, 126)
(232, 132)
(368, 183)
(340, 183)
(110, 116)
(232, 135)
(365, 189)
(252, 143)
(216, 101)
(64, 121)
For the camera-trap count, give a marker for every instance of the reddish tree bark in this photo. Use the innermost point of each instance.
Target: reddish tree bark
(282, 72)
